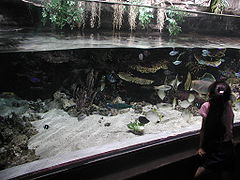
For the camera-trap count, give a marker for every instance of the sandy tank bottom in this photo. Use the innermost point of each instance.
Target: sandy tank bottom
(66, 134)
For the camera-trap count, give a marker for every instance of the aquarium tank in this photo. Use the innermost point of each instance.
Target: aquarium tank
(81, 74)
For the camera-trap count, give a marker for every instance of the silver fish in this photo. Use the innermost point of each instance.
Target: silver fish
(174, 103)
(184, 104)
(173, 53)
(200, 86)
(163, 87)
(191, 98)
(161, 94)
(208, 77)
(177, 62)
(187, 115)
(205, 52)
(175, 83)
(140, 56)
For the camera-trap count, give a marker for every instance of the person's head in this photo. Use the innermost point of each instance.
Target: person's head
(219, 90)
(219, 94)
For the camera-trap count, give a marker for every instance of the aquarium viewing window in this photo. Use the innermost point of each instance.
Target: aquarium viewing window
(71, 94)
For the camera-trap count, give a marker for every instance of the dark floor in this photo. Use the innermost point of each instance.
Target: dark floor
(186, 168)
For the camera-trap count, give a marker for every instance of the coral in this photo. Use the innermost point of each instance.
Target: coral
(15, 131)
(152, 69)
(85, 92)
(136, 80)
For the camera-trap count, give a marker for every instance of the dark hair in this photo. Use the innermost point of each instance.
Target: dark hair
(219, 95)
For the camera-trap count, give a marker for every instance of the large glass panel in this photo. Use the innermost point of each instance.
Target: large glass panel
(69, 90)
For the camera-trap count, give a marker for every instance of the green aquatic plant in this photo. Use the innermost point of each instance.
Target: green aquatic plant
(61, 13)
(174, 18)
(136, 127)
(145, 16)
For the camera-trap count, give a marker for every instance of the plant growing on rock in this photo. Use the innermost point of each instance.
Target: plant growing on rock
(145, 16)
(217, 6)
(62, 13)
(174, 18)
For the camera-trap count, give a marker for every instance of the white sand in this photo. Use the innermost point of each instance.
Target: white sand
(66, 133)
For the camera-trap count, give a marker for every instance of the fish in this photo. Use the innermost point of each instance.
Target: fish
(7, 94)
(35, 80)
(184, 104)
(140, 56)
(226, 73)
(237, 103)
(45, 126)
(214, 63)
(163, 87)
(103, 84)
(102, 87)
(119, 106)
(154, 116)
(174, 103)
(208, 63)
(188, 81)
(161, 94)
(173, 53)
(161, 90)
(191, 98)
(200, 86)
(208, 77)
(177, 62)
(167, 72)
(175, 83)
(205, 52)
(146, 53)
(111, 78)
(187, 115)
(233, 98)
(237, 74)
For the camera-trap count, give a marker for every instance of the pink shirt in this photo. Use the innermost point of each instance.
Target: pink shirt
(227, 118)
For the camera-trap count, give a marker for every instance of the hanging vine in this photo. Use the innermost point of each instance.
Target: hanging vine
(118, 11)
(82, 16)
(95, 14)
(132, 16)
(161, 16)
(99, 14)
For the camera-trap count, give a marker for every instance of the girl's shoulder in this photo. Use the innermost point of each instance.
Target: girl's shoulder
(206, 105)
(203, 111)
